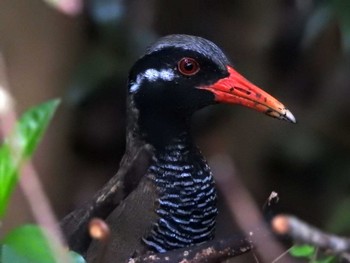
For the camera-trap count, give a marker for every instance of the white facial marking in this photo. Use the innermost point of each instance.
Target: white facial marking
(167, 75)
(152, 75)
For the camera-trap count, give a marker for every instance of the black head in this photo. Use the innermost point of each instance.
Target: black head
(180, 74)
(167, 76)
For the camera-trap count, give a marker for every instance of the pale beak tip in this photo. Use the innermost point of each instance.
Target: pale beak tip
(290, 117)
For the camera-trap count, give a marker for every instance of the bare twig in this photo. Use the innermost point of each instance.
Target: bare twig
(244, 211)
(281, 256)
(99, 230)
(272, 200)
(345, 257)
(269, 207)
(40, 206)
(302, 232)
(212, 251)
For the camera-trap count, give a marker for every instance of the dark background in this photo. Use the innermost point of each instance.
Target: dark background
(298, 51)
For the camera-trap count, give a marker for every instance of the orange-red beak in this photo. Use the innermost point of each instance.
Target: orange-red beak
(235, 89)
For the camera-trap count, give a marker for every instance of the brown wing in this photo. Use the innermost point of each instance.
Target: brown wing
(128, 223)
(133, 167)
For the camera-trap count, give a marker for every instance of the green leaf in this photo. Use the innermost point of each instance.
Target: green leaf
(302, 251)
(8, 176)
(32, 125)
(27, 243)
(20, 146)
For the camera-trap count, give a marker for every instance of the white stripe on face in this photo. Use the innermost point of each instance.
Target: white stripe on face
(152, 75)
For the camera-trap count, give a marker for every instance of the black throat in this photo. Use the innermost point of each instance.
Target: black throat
(159, 127)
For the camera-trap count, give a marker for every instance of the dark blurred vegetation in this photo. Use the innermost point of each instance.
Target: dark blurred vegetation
(296, 50)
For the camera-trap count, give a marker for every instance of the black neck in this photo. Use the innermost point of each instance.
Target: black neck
(161, 128)
(187, 200)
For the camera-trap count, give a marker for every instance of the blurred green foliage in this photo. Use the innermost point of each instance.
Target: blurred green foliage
(27, 243)
(20, 145)
(310, 253)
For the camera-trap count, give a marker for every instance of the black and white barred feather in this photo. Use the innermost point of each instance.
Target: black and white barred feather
(187, 202)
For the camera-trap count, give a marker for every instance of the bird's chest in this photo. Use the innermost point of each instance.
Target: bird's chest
(187, 199)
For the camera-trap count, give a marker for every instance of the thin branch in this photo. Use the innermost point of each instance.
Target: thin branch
(244, 210)
(210, 252)
(271, 202)
(100, 231)
(281, 256)
(302, 232)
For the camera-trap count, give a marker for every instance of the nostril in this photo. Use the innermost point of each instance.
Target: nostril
(243, 90)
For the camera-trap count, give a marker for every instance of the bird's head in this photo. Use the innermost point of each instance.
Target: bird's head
(180, 74)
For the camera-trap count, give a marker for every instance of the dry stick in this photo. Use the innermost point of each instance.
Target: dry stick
(209, 252)
(282, 224)
(41, 209)
(281, 256)
(302, 232)
(268, 209)
(271, 201)
(244, 210)
(28, 179)
(99, 230)
(345, 257)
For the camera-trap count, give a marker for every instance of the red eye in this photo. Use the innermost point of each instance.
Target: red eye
(188, 66)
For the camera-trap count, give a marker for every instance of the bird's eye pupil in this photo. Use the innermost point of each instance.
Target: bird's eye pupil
(188, 66)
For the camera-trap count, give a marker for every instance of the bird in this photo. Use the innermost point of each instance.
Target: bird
(174, 203)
